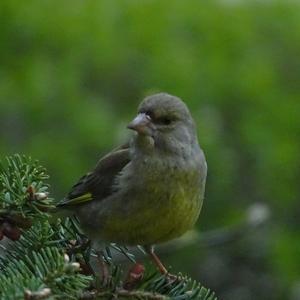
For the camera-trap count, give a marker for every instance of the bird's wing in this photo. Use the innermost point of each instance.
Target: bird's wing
(98, 184)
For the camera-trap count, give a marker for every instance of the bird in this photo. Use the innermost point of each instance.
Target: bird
(149, 190)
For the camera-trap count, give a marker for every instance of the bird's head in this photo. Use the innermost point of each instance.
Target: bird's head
(166, 121)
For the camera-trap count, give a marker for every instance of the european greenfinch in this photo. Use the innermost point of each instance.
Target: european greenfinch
(150, 190)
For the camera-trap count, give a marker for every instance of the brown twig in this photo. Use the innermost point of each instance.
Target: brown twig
(122, 293)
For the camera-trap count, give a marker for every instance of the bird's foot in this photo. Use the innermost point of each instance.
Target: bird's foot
(104, 278)
(103, 282)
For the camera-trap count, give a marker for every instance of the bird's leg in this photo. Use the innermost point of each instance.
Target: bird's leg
(105, 278)
(162, 269)
(150, 251)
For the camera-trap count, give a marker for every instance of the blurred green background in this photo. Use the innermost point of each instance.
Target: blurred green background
(73, 72)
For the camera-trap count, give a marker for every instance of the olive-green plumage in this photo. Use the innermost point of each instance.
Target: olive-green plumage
(150, 190)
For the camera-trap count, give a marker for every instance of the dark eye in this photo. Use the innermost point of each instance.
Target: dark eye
(164, 121)
(149, 114)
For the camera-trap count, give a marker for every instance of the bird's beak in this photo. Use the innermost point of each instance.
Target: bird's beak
(141, 124)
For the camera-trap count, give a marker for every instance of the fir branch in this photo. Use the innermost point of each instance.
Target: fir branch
(48, 268)
(22, 187)
(181, 289)
(23, 195)
(160, 289)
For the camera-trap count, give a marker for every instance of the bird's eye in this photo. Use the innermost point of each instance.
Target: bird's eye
(164, 121)
(149, 114)
(159, 120)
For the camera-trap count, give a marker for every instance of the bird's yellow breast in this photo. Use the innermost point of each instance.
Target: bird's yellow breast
(162, 211)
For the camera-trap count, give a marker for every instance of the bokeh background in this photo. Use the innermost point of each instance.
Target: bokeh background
(73, 72)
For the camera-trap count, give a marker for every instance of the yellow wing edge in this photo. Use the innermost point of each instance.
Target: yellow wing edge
(78, 200)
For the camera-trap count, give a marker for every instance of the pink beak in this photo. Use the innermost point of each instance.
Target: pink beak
(141, 124)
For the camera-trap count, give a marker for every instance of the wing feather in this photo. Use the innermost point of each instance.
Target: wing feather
(98, 184)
